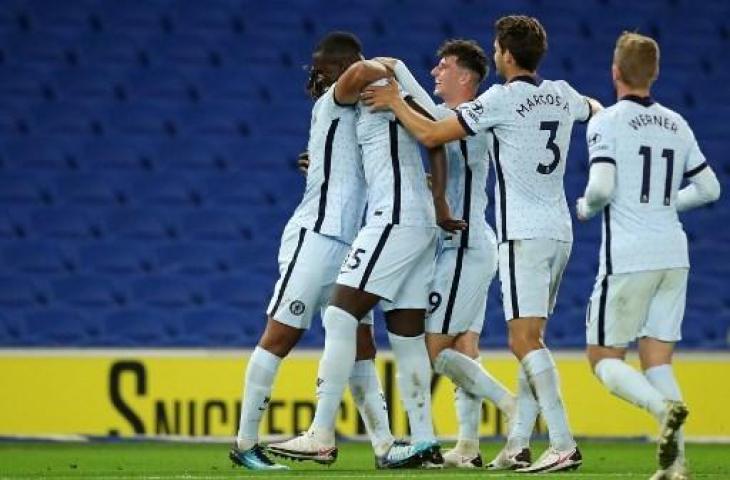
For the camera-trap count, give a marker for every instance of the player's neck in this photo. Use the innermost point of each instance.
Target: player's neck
(518, 72)
(624, 91)
(458, 99)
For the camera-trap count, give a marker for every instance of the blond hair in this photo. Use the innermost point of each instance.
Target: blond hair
(637, 58)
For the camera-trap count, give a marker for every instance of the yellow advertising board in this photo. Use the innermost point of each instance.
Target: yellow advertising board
(197, 393)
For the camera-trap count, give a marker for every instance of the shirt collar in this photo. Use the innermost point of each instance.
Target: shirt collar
(536, 80)
(643, 101)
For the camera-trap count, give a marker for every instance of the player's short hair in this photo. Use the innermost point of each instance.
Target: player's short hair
(637, 58)
(340, 45)
(524, 37)
(468, 55)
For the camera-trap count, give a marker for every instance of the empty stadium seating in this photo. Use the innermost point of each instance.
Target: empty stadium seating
(147, 152)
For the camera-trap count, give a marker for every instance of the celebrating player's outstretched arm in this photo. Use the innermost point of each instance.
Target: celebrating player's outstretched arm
(357, 77)
(438, 180)
(429, 132)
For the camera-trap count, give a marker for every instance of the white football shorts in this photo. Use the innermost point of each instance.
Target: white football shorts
(308, 267)
(458, 297)
(530, 272)
(633, 305)
(394, 262)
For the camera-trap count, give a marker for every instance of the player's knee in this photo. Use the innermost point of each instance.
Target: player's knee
(278, 338)
(468, 344)
(522, 342)
(278, 346)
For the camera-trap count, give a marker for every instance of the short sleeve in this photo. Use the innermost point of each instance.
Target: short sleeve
(696, 161)
(579, 106)
(483, 113)
(442, 112)
(600, 139)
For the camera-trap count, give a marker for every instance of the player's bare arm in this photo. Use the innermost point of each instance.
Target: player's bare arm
(357, 77)
(594, 104)
(430, 133)
(438, 178)
(303, 162)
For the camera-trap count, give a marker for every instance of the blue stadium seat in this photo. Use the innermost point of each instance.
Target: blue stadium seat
(24, 189)
(217, 225)
(191, 154)
(184, 51)
(67, 20)
(117, 154)
(144, 120)
(117, 258)
(161, 86)
(11, 330)
(91, 189)
(90, 87)
(243, 291)
(139, 327)
(42, 152)
(225, 86)
(46, 51)
(38, 258)
(88, 291)
(65, 223)
(217, 122)
(219, 327)
(197, 258)
(169, 291)
(236, 189)
(23, 86)
(141, 223)
(12, 226)
(57, 327)
(18, 291)
(208, 20)
(67, 118)
(162, 190)
(111, 50)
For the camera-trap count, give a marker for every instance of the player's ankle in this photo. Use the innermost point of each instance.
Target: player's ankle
(245, 443)
(323, 436)
(382, 448)
(467, 447)
(517, 443)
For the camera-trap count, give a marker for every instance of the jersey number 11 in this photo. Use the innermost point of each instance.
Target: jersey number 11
(668, 154)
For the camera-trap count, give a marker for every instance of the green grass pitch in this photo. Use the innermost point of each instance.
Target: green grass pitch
(603, 460)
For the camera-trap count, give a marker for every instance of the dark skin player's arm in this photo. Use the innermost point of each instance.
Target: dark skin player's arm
(303, 162)
(439, 176)
(357, 76)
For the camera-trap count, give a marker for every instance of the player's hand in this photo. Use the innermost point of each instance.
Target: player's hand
(303, 162)
(381, 98)
(445, 220)
(388, 62)
(580, 209)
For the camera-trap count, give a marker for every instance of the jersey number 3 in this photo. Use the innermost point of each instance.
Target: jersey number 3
(552, 127)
